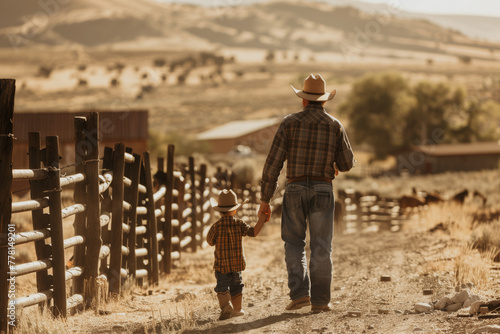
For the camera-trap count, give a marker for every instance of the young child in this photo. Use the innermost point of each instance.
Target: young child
(226, 234)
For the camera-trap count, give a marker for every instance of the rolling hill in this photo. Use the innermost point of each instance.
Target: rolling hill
(276, 25)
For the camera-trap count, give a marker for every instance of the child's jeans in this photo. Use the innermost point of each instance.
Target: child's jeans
(229, 281)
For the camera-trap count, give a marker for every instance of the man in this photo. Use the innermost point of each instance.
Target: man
(316, 147)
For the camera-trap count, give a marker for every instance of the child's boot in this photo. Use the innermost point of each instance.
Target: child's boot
(225, 306)
(236, 301)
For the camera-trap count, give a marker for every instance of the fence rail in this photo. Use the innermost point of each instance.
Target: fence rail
(128, 223)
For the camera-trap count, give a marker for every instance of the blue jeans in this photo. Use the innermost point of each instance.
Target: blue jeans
(311, 201)
(231, 281)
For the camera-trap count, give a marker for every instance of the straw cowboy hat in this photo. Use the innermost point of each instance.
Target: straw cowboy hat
(314, 89)
(226, 202)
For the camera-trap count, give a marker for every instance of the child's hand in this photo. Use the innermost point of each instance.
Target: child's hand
(264, 217)
(264, 210)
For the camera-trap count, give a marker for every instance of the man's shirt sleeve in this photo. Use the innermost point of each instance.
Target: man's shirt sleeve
(344, 156)
(274, 164)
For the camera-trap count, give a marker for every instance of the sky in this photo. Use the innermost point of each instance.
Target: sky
(467, 7)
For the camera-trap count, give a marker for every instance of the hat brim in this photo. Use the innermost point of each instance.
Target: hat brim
(314, 97)
(216, 207)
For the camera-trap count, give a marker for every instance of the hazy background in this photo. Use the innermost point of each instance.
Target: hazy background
(196, 67)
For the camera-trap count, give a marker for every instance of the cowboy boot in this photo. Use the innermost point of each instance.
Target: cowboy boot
(236, 301)
(225, 306)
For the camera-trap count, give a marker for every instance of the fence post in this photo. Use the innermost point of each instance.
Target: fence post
(167, 226)
(93, 238)
(201, 215)
(56, 228)
(80, 222)
(160, 203)
(176, 230)
(7, 94)
(132, 197)
(36, 187)
(152, 228)
(194, 222)
(115, 262)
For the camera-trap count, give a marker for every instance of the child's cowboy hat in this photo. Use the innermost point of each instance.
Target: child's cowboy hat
(314, 89)
(226, 202)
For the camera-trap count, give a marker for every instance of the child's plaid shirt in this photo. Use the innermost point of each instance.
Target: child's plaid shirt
(226, 234)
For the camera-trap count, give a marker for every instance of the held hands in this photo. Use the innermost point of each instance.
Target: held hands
(264, 215)
(264, 210)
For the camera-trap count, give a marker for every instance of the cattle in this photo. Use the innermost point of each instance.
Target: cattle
(480, 196)
(430, 197)
(433, 197)
(410, 201)
(459, 198)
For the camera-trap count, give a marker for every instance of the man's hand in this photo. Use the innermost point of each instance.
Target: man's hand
(265, 209)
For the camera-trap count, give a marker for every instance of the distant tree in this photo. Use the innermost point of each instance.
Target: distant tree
(377, 107)
(270, 56)
(385, 113)
(477, 121)
(114, 82)
(45, 71)
(435, 106)
(465, 59)
(159, 62)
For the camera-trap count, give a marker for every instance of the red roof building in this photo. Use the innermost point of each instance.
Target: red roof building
(450, 157)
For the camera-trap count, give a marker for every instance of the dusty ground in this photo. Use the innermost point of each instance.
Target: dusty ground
(185, 301)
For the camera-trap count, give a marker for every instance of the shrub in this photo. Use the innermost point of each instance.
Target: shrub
(45, 71)
(487, 239)
(159, 62)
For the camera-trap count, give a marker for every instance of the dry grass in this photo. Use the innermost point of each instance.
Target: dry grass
(487, 238)
(34, 321)
(474, 266)
(470, 250)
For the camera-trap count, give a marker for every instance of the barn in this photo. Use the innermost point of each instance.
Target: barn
(121, 126)
(257, 134)
(450, 157)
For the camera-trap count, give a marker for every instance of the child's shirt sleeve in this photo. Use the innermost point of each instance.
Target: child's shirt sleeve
(212, 235)
(247, 230)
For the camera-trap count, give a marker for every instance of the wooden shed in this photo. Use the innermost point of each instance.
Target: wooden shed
(121, 126)
(257, 134)
(450, 157)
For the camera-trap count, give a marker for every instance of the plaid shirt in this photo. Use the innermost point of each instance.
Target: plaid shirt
(311, 141)
(226, 235)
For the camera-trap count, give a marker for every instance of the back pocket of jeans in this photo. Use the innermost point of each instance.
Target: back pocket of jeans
(322, 200)
(292, 199)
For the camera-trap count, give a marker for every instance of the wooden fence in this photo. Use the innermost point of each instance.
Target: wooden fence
(128, 224)
(372, 212)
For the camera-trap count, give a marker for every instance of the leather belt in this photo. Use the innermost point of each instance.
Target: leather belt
(309, 178)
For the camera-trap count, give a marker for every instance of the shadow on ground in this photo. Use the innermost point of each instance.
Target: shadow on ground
(250, 325)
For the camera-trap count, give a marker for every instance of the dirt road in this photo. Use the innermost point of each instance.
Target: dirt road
(185, 302)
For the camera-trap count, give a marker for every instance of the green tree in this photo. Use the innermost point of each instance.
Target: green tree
(478, 121)
(436, 106)
(385, 113)
(377, 107)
